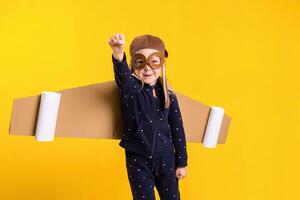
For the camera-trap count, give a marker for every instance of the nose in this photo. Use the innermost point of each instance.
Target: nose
(147, 67)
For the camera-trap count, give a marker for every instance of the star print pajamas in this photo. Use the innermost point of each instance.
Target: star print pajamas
(145, 173)
(153, 135)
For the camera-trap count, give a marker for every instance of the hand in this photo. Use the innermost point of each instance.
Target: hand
(117, 43)
(181, 172)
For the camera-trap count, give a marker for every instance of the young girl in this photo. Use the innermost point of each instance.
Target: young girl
(154, 138)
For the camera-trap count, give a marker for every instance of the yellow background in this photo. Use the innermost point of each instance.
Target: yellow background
(241, 55)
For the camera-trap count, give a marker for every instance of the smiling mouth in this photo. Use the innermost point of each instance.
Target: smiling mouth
(147, 75)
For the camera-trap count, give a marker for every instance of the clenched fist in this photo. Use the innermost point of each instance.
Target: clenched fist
(117, 43)
(181, 172)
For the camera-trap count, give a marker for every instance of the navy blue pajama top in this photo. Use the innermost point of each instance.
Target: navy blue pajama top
(150, 129)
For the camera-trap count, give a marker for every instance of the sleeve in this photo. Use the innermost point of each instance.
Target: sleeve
(126, 82)
(178, 133)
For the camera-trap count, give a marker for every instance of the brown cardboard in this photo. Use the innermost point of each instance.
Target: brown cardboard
(93, 111)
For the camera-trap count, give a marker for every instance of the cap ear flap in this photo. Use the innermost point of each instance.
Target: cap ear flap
(166, 53)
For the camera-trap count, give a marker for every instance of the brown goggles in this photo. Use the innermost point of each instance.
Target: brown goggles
(155, 60)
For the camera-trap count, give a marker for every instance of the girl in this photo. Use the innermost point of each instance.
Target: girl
(154, 138)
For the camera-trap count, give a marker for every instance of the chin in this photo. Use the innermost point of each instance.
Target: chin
(148, 81)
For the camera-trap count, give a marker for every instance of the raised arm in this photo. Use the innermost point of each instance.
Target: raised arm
(126, 82)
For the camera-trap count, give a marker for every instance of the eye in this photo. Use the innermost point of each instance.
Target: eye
(156, 61)
(139, 61)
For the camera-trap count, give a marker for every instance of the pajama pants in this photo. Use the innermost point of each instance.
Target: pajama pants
(145, 173)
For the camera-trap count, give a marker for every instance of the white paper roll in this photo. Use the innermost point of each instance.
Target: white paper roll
(213, 127)
(48, 111)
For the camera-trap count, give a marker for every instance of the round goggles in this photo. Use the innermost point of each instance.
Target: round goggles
(155, 60)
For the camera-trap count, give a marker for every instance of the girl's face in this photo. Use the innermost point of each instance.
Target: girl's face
(147, 74)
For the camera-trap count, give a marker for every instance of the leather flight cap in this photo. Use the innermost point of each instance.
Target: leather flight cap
(147, 41)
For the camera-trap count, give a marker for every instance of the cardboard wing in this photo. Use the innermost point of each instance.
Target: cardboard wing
(93, 111)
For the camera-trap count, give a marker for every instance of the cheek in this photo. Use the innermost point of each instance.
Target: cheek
(138, 73)
(157, 72)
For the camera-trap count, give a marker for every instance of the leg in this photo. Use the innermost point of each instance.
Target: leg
(166, 182)
(140, 177)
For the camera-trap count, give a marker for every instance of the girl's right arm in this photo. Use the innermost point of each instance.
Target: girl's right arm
(125, 81)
